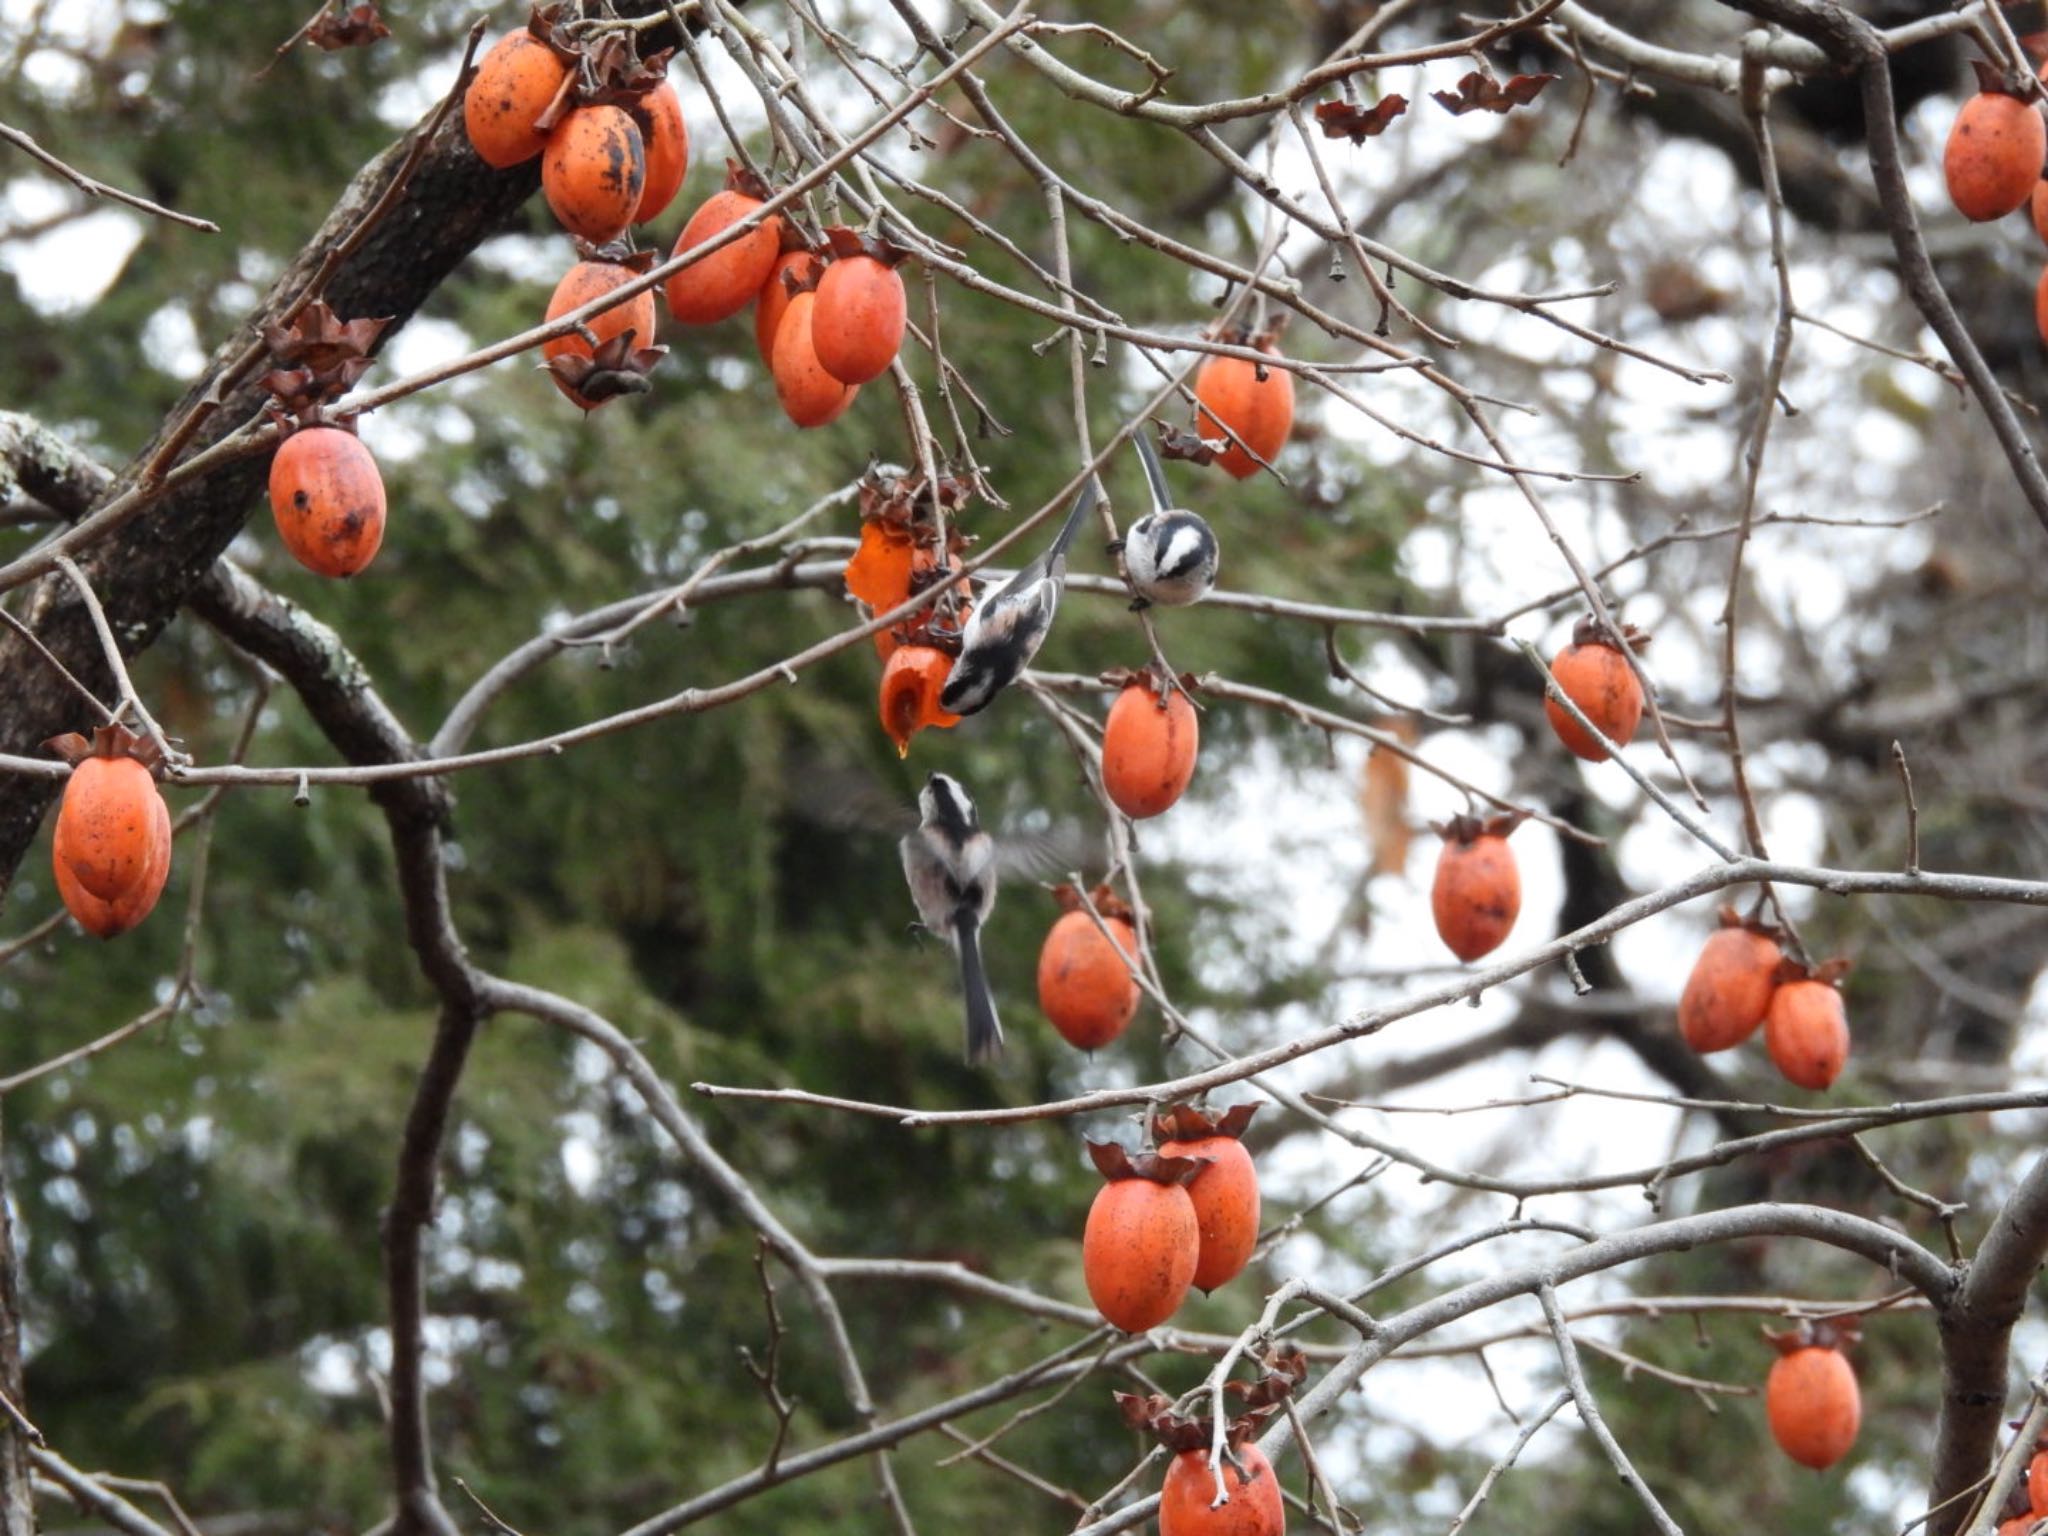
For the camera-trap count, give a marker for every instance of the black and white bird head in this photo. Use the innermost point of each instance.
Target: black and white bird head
(944, 804)
(1170, 554)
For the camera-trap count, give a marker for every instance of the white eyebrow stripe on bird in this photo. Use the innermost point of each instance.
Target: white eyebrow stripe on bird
(1184, 552)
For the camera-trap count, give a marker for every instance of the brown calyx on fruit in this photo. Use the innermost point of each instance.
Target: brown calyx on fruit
(1191, 1122)
(1590, 631)
(317, 359)
(111, 740)
(1282, 1370)
(1115, 1165)
(1838, 1333)
(1467, 829)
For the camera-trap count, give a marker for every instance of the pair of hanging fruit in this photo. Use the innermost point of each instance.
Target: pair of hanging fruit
(826, 327)
(1166, 1221)
(1742, 979)
(111, 852)
(617, 355)
(1255, 402)
(608, 127)
(1595, 675)
(1085, 985)
(1251, 1503)
(1150, 741)
(325, 489)
(899, 555)
(1477, 893)
(1810, 1397)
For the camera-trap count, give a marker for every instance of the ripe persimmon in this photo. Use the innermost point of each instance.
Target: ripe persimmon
(1260, 411)
(1994, 155)
(328, 499)
(1811, 1397)
(666, 140)
(1225, 1193)
(593, 172)
(1085, 986)
(112, 819)
(1252, 1504)
(1149, 745)
(810, 396)
(580, 285)
(858, 324)
(1477, 894)
(1730, 987)
(729, 279)
(514, 84)
(2037, 1481)
(1806, 1030)
(2018, 1525)
(773, 303)
(2037, 209)
(1139, 1249)
(110, 919)
(911, 681)
(2041, 306)
(1594, 674)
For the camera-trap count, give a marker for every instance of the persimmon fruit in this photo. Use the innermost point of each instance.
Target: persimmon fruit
(810, 396)
(1149, 746)
(2037, 1481)
(858, 324)
(665, 138)
(328, 499)
(106, 826)
(1994, 155)
(1253, 1506)
(2041, 306)
(2037, 209)
(593, 172)
(1806, 1030)
(729, 279)
(911, 681)
(1594, 674)
(1225, 1193)
(1085, 986)
(1142, 1240)
(1260, 411)
(1813, 1404)
(1477, 893)
(514, 84)
(803, 268)
(580, 285)
(1729, 990)
(111, 919)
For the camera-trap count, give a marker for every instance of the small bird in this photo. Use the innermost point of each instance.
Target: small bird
(1008, 626)
(1170, 554)
(950, 863)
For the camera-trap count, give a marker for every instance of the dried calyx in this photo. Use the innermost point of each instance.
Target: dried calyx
(1590, 631)
(1115, 1164)
(1829, 972)
(1154, 676)
(846, 242)
(1814, 1333)
(1282, 1371)
(317, 359)
(1469, 829)
(1104, 899)
(1192, 1122)
(111, 740)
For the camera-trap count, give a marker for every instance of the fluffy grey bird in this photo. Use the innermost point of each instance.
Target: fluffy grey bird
(950, 863)
(1170, 554)
(1009, 624)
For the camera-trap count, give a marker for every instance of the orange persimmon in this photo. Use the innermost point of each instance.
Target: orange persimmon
(1994, 154)
(1729, 990)
(1806, 1030)
(593, 172)
(773, 303)
(1225, 1193)
(1594, 674)
(1477, 894)
(1252, 1504)
(1139, 1249)
(1149, 746)
(858, 324)
(910, 693)
(720, 285)
(810, 396)
(1260, 411)
(514, 84)
(1811, 1400)
(328, 499)
(111, 819)
(582, 283)
(659, 117)
(1085, 986)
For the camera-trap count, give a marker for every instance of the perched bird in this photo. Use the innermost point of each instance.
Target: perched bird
(1008, 625)
(950, 863)
(1170, 554)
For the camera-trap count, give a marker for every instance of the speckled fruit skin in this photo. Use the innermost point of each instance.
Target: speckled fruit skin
(582, 283)
(730, 278)
(1149, 749)
(1600, 681)
(1813, 1405)
(858, 324)
(110, 919)
(1807, 1033)
(1226, 1197)
(1085, 987)
(1138, 1252)
(666, 141)
(1729, 990)
(593, 172)
(1254, 1507)
(1259, 411)
(513, 85)
(773, 302)
(105, 825)
(328, 500)
(1994, 155)
(1477, 895)
(810, 396)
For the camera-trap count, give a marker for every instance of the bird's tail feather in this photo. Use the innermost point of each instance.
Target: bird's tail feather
(984, 1029)
(1083, 505)
(1155, 473)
